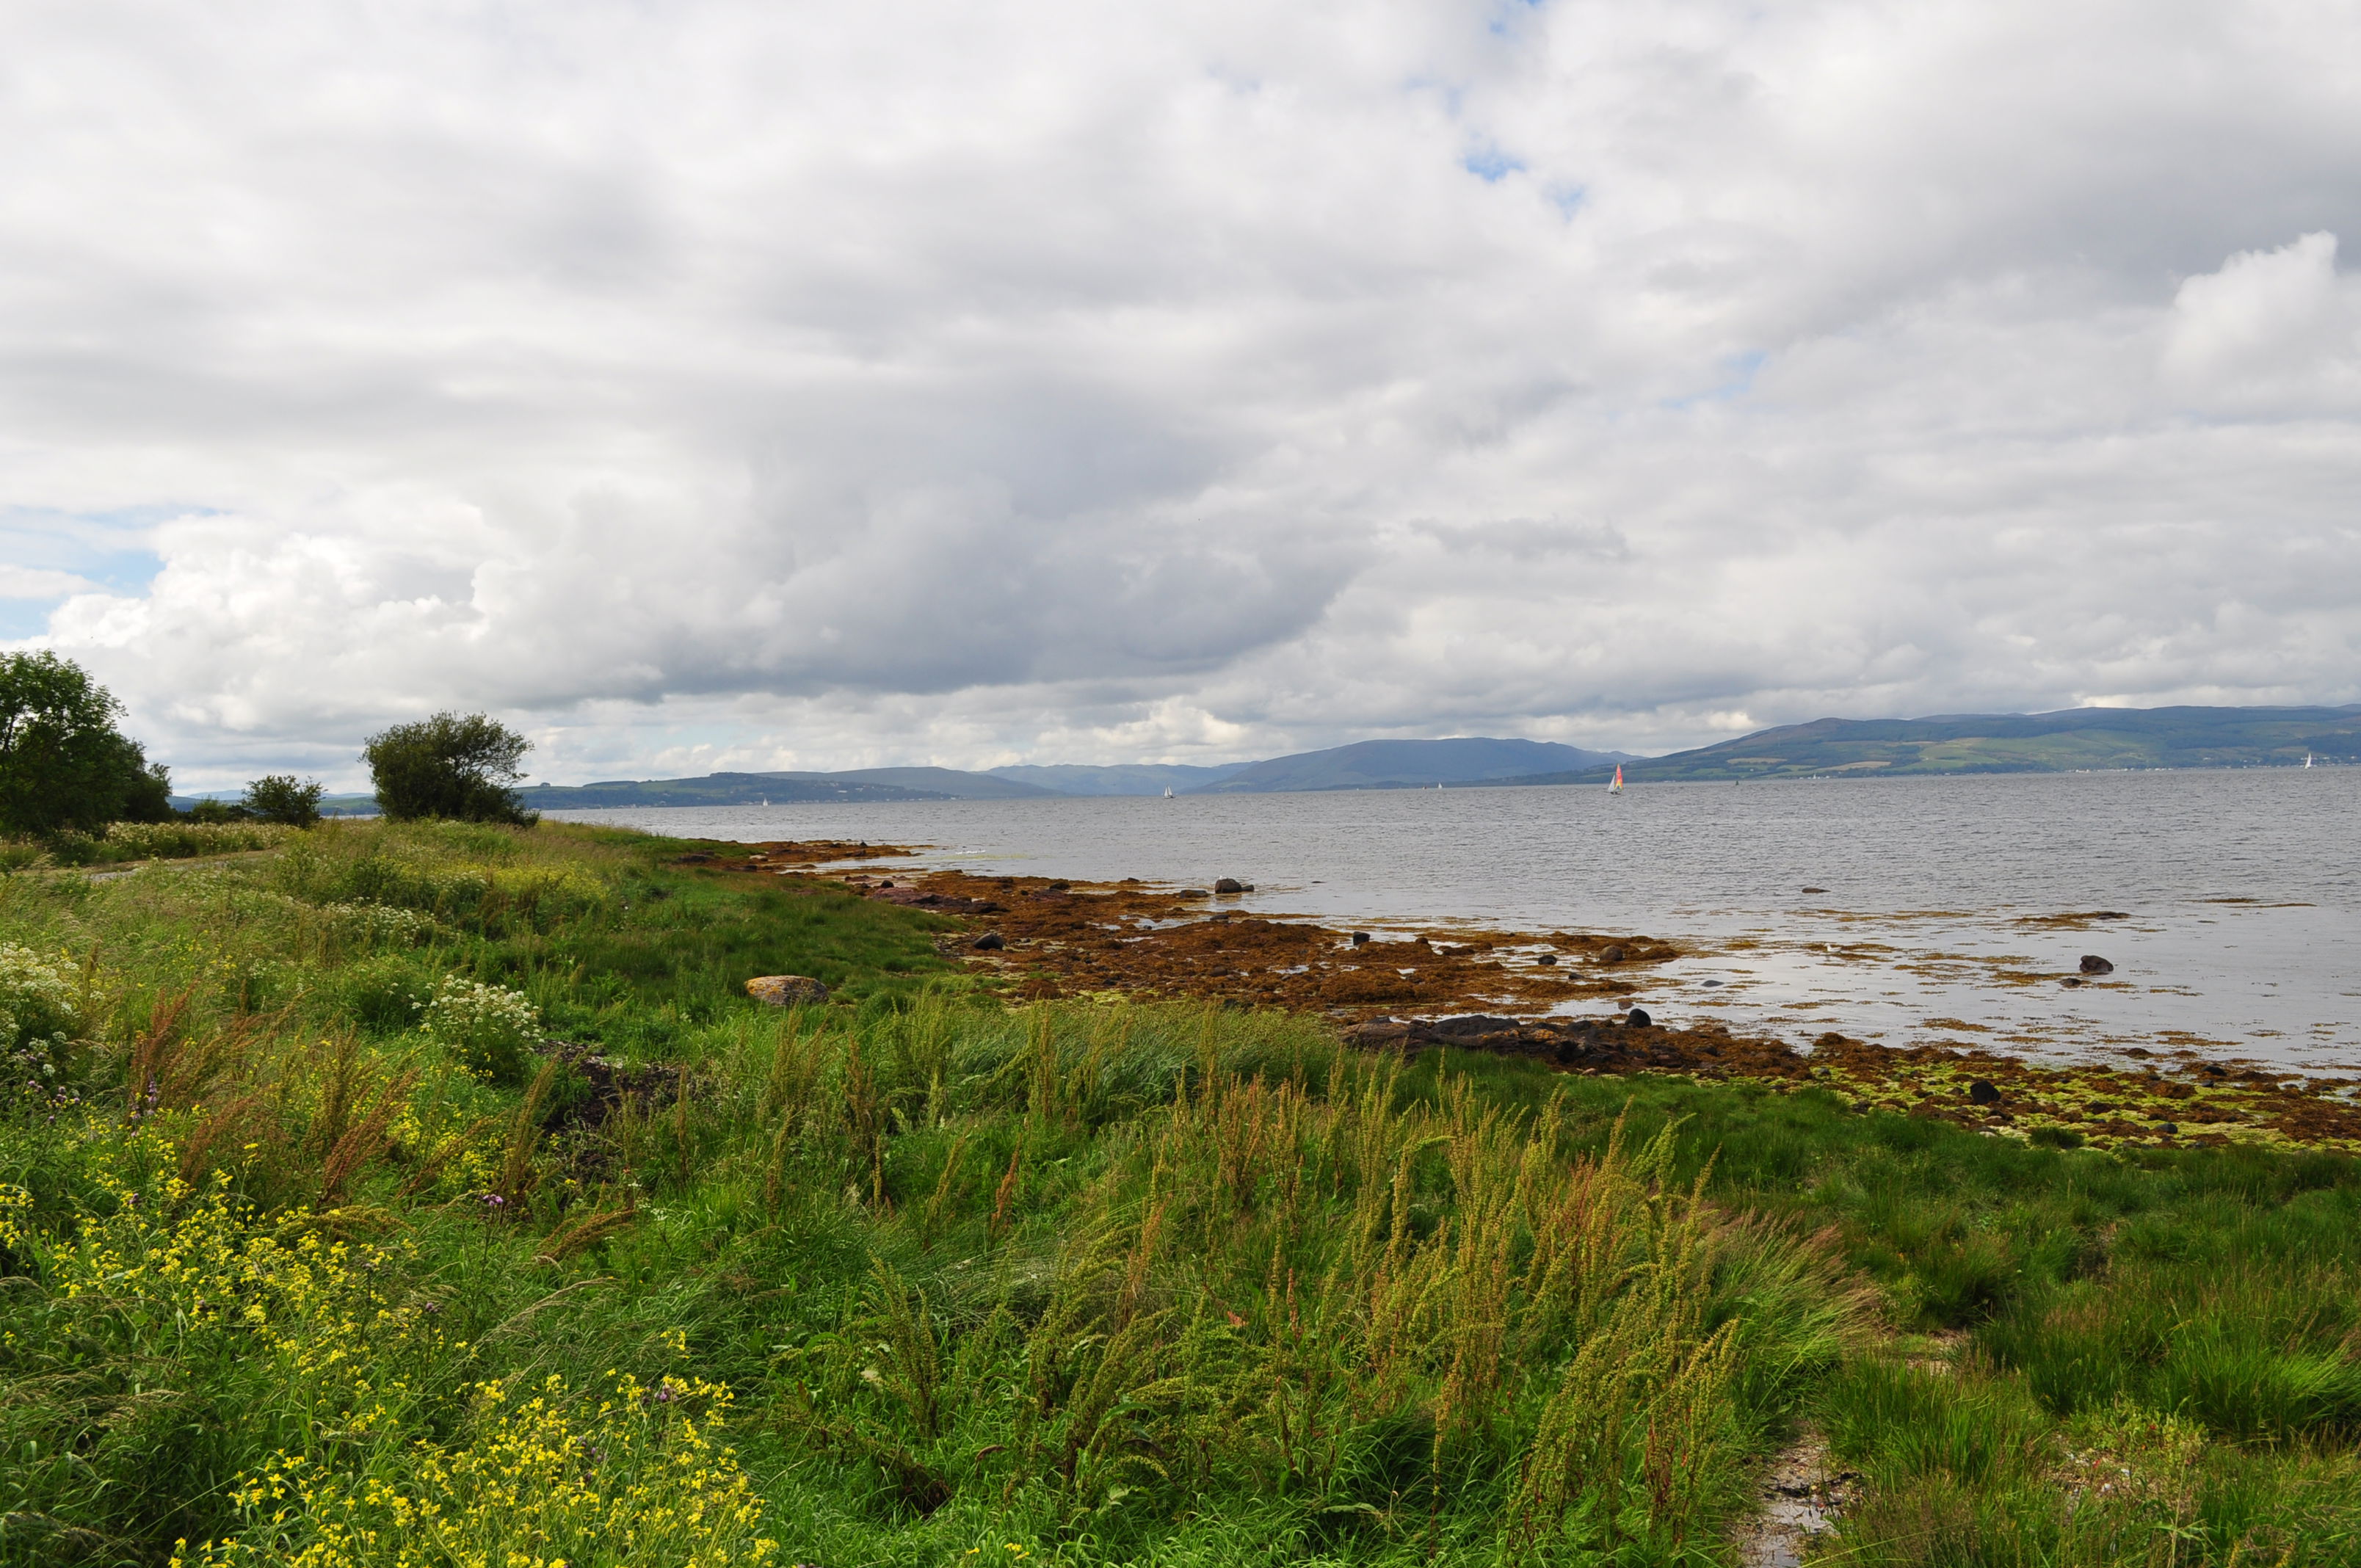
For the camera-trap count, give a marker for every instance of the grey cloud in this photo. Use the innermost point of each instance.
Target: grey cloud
(773, 384)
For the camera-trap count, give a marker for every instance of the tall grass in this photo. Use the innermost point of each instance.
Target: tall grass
(917, 1277)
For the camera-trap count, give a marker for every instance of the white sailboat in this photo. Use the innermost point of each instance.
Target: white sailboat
(1168, 792)
(2307, 759)
(1617, 787)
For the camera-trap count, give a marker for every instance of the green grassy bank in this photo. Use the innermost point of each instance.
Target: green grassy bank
(434, 1195)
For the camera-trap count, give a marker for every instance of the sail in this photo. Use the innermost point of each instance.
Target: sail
(1617, 787)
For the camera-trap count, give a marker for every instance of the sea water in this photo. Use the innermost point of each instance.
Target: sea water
(1938, 918)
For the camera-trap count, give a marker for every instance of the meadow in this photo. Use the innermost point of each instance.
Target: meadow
(433, 1194)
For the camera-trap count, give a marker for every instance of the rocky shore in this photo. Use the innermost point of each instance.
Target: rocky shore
(1561, 997)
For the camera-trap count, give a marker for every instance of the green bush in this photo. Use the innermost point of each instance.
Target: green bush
(38, 1018)
(384, 993)
(449, 765)
(278, 797)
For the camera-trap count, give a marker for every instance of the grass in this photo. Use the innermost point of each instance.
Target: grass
(917, 1277)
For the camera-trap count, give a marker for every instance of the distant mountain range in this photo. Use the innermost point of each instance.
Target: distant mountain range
(1367, 764)
(1407, 764)
(779, 789)
(2076, 740)
(2082, 739)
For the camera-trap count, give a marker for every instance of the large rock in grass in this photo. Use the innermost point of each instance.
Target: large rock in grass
(785, 990)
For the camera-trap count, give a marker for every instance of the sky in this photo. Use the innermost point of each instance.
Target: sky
(705, 385)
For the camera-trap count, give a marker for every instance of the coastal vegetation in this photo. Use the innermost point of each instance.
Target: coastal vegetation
(434, 1193)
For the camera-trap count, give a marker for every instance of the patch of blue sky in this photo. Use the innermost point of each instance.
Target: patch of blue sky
(1567, 198)
(20, 618)
(1741, 369)
(1491, 165)
(107, 547)
(107, 550)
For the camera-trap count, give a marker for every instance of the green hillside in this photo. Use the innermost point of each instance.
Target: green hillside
(715, 789)
(2077, 739)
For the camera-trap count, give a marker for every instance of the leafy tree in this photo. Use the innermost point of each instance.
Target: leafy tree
(449, 766)
(63, 763)
(277, 797)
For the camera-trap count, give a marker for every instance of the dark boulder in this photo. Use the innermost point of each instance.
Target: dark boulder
(1360, 938)
(990, 942)
(2071, 979)
(1610, 955)
(1230, 884)
(1983, 1091)
(1637, 1018)
(1192, 893)
(2093, 964)
(1546, 960)
(1815, 890)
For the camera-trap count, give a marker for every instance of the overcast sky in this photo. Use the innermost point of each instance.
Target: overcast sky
(775, 385)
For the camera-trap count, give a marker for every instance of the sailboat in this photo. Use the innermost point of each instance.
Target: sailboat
(1168, 792)
(2307, 759)
(1617, 787)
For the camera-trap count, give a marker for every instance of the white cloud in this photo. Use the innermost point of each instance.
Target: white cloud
(38, 583)
(2265, 319)
(734, 384)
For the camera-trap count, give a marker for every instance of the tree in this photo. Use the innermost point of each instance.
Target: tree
(64, 766)
(277, 797)
(449, 766)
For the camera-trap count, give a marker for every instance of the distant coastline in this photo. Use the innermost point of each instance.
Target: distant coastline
(2090, 739)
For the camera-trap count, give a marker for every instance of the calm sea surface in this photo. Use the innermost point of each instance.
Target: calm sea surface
(2242, 890)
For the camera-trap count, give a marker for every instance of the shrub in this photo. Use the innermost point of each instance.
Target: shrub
(37, 1019)
(277, 797)
(385, 992)
(489, 1028)
(449, 765)
(160, 841)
